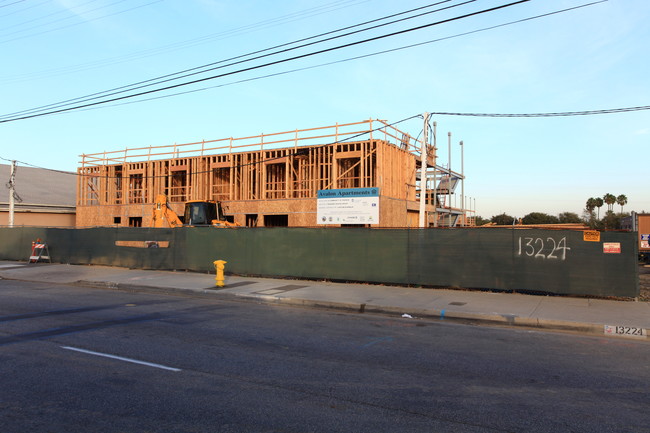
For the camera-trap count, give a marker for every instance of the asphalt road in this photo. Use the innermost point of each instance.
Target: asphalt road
(87, 360)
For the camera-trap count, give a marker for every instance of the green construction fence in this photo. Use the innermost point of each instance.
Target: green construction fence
(549, 261)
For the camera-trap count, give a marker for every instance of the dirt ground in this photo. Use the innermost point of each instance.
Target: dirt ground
(644, 282)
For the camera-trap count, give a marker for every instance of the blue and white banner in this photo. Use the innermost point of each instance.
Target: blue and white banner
(348, 206)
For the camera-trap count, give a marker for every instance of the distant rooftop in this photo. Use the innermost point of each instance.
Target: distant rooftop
(37, 186)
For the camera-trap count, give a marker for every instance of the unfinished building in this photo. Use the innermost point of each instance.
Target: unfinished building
(275, 179)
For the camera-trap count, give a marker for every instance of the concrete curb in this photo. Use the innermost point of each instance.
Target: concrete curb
(495, 319)
(488, 319)
(141, 288)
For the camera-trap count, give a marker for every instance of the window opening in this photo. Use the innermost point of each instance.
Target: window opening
(349, 170)
(178, 189)
(276, 220)
(251, 220)
(276, 180)
(136, 188)
(221, 183)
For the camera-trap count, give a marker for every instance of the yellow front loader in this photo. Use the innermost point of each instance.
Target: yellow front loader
(197, 213)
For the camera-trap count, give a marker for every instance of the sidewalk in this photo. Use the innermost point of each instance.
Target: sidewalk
(594, 316)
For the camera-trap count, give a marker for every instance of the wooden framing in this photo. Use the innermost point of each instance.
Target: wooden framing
(255, 178)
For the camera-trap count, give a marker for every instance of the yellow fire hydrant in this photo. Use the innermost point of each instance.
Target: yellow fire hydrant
(219, 266)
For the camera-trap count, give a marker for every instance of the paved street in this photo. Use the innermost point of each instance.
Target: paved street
(76, 359)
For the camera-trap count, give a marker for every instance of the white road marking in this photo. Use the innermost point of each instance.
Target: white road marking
(119, 358)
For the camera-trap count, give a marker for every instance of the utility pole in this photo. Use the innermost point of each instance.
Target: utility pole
(423, 172)
(462, 183)
(12, 192)
(474, 207)
(435, 174)
(449, 182)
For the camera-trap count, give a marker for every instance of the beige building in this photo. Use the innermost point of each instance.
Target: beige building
(43, 197)
(272, 179)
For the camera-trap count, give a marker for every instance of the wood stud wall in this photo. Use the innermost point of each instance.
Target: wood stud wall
(260, 182)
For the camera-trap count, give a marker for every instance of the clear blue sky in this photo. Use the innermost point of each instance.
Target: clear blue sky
(596, 57)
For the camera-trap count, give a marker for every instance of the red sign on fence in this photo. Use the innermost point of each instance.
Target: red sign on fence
(612, 248)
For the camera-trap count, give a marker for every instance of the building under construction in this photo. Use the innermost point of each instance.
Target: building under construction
(363, 174)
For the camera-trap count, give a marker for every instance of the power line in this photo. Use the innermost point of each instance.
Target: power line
(59, 12)
(12, 3)
(189, 72)
(42, 168)
(265, 64)
(297, 152)
(310, 12)
(363, 56)
(24, 9)
(556, 114)
(81, 22)
(438, 113)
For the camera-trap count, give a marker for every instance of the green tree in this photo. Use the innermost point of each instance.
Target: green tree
(621, 200)
(539, 218)
(611, 221)
(503, 219)
(610, 199)
(569, 218)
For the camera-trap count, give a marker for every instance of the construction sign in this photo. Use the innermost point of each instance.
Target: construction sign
(612, 248)
(348, 206)
(39, 252)
(591, 236)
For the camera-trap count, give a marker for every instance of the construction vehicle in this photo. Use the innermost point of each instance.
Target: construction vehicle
(197, 213)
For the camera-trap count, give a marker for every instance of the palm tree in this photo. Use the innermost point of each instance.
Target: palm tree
(610, 199)
(590, 205)
(621, 200)
(599, 204)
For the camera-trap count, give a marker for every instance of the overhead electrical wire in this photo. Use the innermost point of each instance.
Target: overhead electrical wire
(51, 14)
(138, 55)
(369, 55)
(356, 57)
(85, 21)
(24, 9)
(211, 66)
(555, 114)
(12, 3)
(300, 151)
(35, 166)
(275, 74)
(296, 152)
(439, 113)
(7, 118)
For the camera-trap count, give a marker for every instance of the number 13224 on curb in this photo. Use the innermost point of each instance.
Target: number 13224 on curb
(627, 331)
